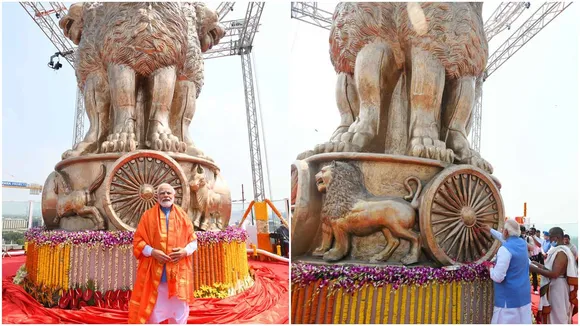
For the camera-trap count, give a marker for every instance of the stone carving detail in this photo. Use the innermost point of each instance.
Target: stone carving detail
(349, 209)
(210, 205)
(60, 201)
(460, 203)
(140, 63)
(132, 186)
(407, 78)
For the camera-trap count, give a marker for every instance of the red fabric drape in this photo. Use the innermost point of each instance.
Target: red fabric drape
(266, 302)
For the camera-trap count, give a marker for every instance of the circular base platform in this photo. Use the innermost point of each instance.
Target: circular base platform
(97, 268)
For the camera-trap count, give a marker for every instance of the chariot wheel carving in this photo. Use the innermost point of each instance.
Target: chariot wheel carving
(455, 205)
(132, 183)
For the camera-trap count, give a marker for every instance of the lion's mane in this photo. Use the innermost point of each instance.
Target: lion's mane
(454, 34)
(144, 36)
(345, 189)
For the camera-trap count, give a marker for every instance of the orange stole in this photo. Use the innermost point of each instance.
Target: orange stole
(152, 230)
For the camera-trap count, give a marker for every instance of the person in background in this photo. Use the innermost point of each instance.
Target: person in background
(546, 244)
(558, 301)
(163, 244)
(571, 246)
(536, 255)
(511, 281)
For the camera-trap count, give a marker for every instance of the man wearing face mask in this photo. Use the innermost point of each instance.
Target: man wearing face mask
(163, 244)
(559, 286)
(511, 281)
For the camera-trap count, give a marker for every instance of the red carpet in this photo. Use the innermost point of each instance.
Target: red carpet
(266, 302)
(10, 265)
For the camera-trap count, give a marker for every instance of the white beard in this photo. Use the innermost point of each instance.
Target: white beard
(166, 204)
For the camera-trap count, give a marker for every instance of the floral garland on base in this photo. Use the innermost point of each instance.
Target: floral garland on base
(109, 239)
(352, 278)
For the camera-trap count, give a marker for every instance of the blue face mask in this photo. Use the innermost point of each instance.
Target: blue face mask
(554, 244)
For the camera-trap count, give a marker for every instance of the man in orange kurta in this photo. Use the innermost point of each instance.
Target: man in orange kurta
(163, 244)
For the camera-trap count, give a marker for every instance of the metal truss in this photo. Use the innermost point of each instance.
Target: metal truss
(542, 17)
(253, 131)
(503, 17)
(309, 12)
(223, 9)
(43, 18)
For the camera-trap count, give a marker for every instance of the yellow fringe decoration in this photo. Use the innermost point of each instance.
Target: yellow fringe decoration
(387, 301)
(412, 305)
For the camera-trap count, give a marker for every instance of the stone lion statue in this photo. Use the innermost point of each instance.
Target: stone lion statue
(349, 209)
(140, 64)
(407, 76)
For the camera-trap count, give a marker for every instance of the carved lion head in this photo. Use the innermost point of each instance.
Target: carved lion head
(210, 31)
(72, 23)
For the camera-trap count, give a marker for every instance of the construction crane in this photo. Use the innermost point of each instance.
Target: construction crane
(35, 189)
(43, 17)
(501, 19)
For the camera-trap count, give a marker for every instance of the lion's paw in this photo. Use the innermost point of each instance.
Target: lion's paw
(430, 148)
(160, 138)
(119, 142)
(376, 259)
(332, 255)
(319, 252)
(409, 259)
(479, 162)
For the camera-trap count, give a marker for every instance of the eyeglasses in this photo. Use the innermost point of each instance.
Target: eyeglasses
(163, 193)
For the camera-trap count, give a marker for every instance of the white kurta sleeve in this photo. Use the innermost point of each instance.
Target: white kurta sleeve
(498, 272)
(496, 234)
(147, 251)
(191, 247)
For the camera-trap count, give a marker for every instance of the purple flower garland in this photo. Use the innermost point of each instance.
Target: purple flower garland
(109, 239)
(352, 278)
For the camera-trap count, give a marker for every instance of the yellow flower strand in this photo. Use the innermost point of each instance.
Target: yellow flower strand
(429, 311)
(109, 268)
(103, 263)
(378, 306)
(433, 312)
(124, 255)
(412, 306)
(396, 306)
(345, 302)
(369, 303)
(362, 306)
(420, 311)
(353, 306)
(404, 289)
(447, 301)
(478, 298)
(338, 310)
(454, 303)
(116, 269)
(387, 306)
(459, 301)
(440, 313)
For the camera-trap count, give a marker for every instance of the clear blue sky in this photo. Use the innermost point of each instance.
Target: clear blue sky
(38, 105)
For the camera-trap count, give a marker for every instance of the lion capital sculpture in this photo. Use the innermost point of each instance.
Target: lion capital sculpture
(349, 209)
(140, 64)
(408, 74)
